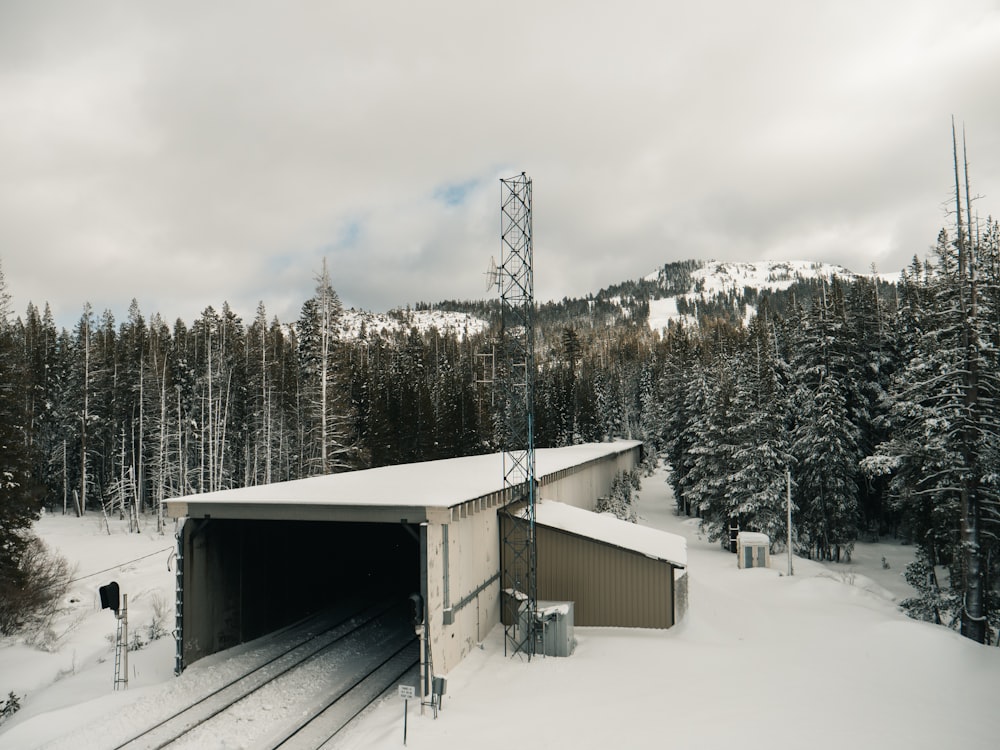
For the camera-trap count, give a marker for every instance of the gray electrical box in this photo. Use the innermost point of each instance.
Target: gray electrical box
(439, 685)
(554, 629)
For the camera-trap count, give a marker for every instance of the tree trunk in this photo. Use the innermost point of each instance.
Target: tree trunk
(973, 597)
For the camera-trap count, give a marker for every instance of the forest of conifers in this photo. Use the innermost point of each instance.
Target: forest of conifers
(876, 401)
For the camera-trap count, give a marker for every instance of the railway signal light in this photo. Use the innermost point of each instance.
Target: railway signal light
(110, 598)
(416, 609)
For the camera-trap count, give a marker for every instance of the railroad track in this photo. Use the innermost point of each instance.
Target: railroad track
(333, 712)
(343, 663)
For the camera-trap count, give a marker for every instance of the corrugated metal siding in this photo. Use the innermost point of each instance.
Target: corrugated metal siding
(612, 587)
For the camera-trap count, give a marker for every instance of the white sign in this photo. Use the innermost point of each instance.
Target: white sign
(407, 691)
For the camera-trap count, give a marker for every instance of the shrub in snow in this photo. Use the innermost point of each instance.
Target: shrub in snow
(9, 707)
(621, 502)
(650, 459)
(29, 599)
(932, 603)
(943, 604)
(139, 638)
(158, 622)
(136, 642)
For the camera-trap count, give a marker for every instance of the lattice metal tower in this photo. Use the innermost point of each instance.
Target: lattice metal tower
(516, 377)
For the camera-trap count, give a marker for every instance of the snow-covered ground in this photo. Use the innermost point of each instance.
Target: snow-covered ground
(664, 310)
(823, 659)
(69, 679)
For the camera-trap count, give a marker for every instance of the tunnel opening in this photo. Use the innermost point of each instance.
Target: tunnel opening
(246, 578)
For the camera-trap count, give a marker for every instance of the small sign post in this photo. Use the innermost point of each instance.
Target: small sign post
(406, 692)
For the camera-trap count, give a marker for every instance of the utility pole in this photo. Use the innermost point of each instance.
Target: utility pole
(788, 494)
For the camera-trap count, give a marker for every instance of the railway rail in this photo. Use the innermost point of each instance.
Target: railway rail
(346, 664)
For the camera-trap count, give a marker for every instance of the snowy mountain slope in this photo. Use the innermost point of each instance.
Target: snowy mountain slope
(719, 279)
(716, 277)
(356, 323)
(678, 291)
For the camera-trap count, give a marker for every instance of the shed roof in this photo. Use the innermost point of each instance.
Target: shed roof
(405, 488)
(753, 537)
(604, 527)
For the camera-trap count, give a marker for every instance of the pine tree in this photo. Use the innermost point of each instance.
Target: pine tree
(825, 447)
(20, 494)
(81, 409)
(755, 494)
(945, 425)
(824, 436)
(163, 453)
(932, 602)
(260, 396)
(327, 438)
(711, 439)
(669, 412)
(39, 353)
(873, 342)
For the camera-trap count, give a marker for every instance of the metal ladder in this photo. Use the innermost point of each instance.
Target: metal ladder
(121, 647)
(179, 606)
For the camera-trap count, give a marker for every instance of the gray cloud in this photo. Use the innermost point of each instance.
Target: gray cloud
(187, 153)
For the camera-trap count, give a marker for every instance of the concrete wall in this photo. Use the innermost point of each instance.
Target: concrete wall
(582, 485)
(211, 591)
(680, 593)
(464, 563)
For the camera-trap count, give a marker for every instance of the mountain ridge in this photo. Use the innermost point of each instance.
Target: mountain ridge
(678, 291)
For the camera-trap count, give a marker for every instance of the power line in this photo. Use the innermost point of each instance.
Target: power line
(119, 565)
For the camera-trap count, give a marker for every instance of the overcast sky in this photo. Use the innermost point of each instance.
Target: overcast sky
(190, 153)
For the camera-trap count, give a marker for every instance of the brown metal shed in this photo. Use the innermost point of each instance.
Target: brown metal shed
(617, 573)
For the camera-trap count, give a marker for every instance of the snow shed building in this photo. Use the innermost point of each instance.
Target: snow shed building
(254, 559)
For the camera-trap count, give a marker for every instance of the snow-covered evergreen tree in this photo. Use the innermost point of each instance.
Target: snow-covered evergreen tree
(713, 442)
(620, 502)
(19, 491)
(326, 411)
(945, 429)
(824, 435)
(756, 481)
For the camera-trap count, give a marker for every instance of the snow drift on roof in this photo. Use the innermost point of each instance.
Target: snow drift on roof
(606, 528)
(437, 484)
(752, 537)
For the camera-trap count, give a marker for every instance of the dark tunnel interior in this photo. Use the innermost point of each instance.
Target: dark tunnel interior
(254, 577)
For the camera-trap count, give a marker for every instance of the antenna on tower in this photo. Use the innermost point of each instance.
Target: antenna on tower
(492, 276)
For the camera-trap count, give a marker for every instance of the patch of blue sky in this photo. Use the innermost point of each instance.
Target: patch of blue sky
(280, 263)
(454, 194)
(348, 237)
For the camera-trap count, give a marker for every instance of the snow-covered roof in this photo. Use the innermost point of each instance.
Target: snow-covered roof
(429, 484)
(752, 537)
(604, 527)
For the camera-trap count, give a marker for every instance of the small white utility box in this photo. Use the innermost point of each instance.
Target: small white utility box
(752, 550)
